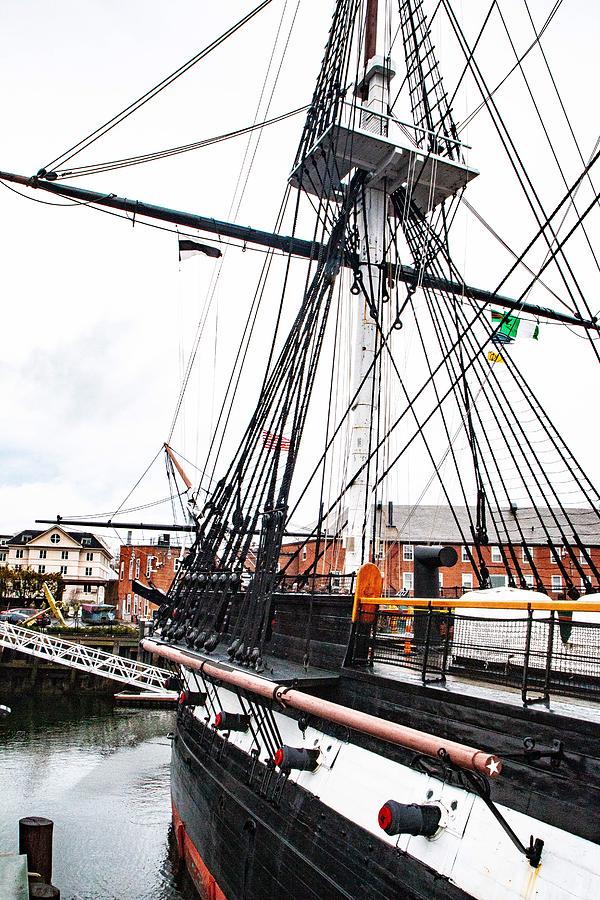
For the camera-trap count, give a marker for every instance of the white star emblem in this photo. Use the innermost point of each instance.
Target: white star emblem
(493, 766)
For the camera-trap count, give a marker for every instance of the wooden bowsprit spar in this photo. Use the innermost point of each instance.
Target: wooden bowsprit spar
(285, 244)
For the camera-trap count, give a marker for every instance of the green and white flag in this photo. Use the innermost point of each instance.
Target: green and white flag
(508, 328)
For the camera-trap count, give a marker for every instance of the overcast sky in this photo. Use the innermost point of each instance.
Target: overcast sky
(98, 316)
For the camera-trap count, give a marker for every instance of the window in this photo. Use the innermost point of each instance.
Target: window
(89, 557)
(41, 569)
(556, 583)
(496, 555)
(407, 581)
(304, 554)
(3, 542)
(176, 564)
(19, 554)
(137, 568)
(86, 541)
(582, 555)
(555, 555)
(43, 554)
(55, 538)
(498, 580)
(464, 553)
(87, 589)
(408, 553)
(530, 581)
(379, 550)
(128, 603)
(122, 571)
(135, 604)
(441, 579)
(467, 581)
(88, 570)
(63, 570)
(64, 554)
(524, 556)
(131, 562)
(3, 556)
(149, 566)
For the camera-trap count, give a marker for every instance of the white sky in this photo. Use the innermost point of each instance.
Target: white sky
(98, 317)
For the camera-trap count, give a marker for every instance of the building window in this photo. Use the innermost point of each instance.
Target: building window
(582, 558)
(496, 555)
(3, 556)
(19, 554)
(64, 554)
(530, 581)
(304, 553)
(3, 542)
(128, 603)
(43, 554)
(135, 604)
(88, 570)
(131, 561)
(407, 581)
(441, 579)
(176, 564)
(379, 550)
(122, 571)
(464, 553)
(137, 568)
(55, 538)
(556, 583)
(149, 566)
(555, 555)
(87, 589)
(63, 570)
(498, 580)
(524, 555)
(89, 557)
(41, 569)
(408, 552)
(467, 581)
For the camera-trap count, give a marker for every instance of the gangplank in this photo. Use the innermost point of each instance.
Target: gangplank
(85, 659)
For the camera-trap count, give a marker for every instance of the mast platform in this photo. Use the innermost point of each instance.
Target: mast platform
(392, 161)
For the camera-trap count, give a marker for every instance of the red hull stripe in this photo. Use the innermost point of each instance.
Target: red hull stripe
(204, 881)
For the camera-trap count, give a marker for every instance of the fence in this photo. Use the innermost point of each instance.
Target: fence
(540, 651)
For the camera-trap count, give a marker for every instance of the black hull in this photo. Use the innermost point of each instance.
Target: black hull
(279, 845)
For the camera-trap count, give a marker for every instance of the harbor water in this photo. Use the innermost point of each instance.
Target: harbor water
(102, 775)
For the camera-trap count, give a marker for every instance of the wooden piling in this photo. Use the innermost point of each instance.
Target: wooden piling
(35, 840)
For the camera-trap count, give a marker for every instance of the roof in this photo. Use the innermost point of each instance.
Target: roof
(429, 524)
(28, 534)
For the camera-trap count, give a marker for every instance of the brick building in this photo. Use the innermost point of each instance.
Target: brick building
(399, 528)
(151, 564)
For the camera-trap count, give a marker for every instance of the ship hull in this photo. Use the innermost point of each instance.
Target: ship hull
(238, 844)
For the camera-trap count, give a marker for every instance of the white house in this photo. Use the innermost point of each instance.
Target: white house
(82, 558)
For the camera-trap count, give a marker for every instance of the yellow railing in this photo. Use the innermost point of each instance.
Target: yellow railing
(369, 586)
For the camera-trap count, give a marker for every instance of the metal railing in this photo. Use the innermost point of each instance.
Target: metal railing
(540, 651)
(85, 659)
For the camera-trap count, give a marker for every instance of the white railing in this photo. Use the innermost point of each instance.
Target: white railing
(86, 659)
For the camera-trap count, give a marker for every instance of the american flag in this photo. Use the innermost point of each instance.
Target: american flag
(275, 441)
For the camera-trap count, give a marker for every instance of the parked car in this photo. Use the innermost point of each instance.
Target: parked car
(14, 617)
(44, 619)
(17, 616)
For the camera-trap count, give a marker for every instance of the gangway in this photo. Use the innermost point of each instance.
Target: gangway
(85, 659)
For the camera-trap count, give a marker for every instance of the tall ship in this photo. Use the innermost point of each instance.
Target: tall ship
(349, 726)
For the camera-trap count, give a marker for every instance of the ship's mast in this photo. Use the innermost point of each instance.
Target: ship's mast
(378, 73)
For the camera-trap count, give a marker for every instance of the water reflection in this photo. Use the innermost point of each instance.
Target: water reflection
(102, 775)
